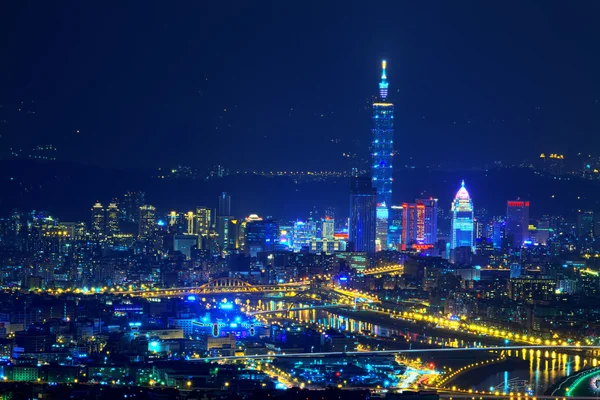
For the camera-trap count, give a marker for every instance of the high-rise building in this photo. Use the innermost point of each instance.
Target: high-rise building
(224, 208)
(261, 236)
(428, 232)
(130, 207)
(419, 222)
(98, 219)
(241, 231)
(112, 219)
(191, 226)
(517, 223)
(462, 219)
(585, 224)
(381, 227)
(302, 234)
(363, 218)
(328, 228)
(202, 221)
(498, 233)
(146, 221)
(395, 227)
(383, 143)
(223, 225)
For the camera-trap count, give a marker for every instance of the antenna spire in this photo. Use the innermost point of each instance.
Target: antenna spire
(383, 85)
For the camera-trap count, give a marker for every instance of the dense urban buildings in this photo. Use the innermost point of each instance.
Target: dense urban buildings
(244, 241)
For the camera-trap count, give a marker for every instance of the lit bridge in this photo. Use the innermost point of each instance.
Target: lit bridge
(383, 270)
(221, 285)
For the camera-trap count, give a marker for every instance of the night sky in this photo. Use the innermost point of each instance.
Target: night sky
(286, 85)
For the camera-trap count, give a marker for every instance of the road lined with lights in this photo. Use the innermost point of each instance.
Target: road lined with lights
(405, 351)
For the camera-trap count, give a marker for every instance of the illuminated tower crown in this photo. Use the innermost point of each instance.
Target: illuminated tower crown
(383, 85)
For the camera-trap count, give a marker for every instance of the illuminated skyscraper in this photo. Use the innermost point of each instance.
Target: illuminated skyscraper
(517, 222)
(383, 143)
(462, 219)
(98, 219)
(224, 208)
(302, 233)
(190, 218)
(430, 213)
(328, 228)
(112, 219)
(585, 224)
(363, 206)
(261, 236)
(130, 207)
(147, 221)
(381, 227)
(419, 222)
(202, 221)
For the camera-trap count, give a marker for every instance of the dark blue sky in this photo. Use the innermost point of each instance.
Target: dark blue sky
(147, 83)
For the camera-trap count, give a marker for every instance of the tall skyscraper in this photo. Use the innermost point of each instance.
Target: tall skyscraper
(419, 222)
(224, 208)
(202, 221)
(328, 228)
(112, 219)
(462, 219)
(191, 226)
(363, 206)
(381, 227)
(146, 221)
(302, 233)
(223, 224)
(383, 143)
(261, 236)
(517, 222)
(130, 206)
(98, 219)
(585, 224)
(428, 233)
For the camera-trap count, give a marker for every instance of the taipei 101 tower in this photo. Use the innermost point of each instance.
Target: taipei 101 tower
(383, 143)
(383, 153)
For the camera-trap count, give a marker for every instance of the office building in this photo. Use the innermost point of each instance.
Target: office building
(517, 223)
(223, 224)
(419, 223)
(327, 228)
(383, 143)
(185, 244)
(363, 217)
(261, 235)
(224, 207)
(202, 221)
(302, 234)
(130, 206)
(112, 219)
(462, 220)
(146, 221)
(98, 219)
(585, 224)
(395, 227)
(381, 227)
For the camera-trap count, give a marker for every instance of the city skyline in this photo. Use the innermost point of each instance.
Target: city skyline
(208, 201)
